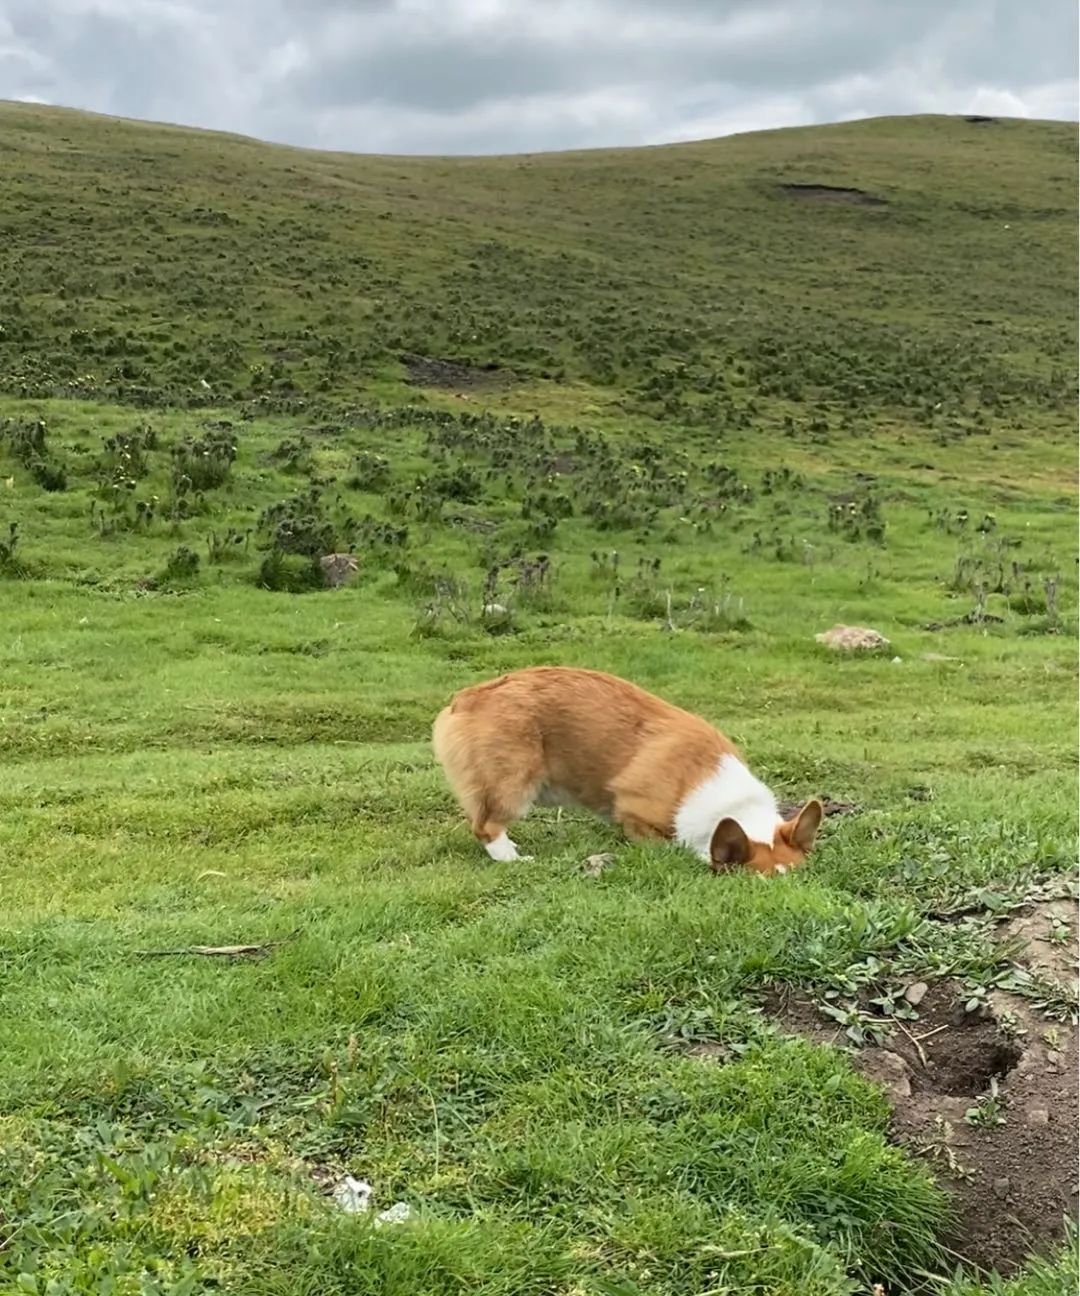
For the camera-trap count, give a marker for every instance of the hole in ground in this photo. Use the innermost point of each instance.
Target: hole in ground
(1013, 1178)
(964, 1054)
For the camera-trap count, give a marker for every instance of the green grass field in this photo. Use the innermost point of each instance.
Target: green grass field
(673, 420)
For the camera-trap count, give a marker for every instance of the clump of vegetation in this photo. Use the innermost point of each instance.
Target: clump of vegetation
(370, 472)
(203, 463)
(124, 460)
(857, 519)
(182, 566)
(292, 455)
(26, 440)
(11, 565)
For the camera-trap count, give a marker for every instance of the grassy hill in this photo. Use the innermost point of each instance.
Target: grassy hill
(667, 412)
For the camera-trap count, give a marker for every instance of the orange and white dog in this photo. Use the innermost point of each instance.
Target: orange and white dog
(552, 735)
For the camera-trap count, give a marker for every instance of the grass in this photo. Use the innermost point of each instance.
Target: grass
(733, 417)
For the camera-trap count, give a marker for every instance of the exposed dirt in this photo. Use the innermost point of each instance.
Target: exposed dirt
(969, 618)
(834, 193)
(429, 371)
(1013, 1183)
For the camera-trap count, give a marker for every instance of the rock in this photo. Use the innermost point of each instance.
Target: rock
(709, 1051)
(338, 568)
(847, 638)
(1054, 1058)
(916, 993)
(1038, 1116)
(594, 865)
(1001, 1187)
(399, 1213)
(888, 1069)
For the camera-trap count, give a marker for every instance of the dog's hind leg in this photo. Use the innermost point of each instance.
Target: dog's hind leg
(491, 797)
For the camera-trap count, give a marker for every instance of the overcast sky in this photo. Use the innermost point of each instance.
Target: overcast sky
(482, 76)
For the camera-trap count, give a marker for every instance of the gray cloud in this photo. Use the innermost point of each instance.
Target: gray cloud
(461, 76)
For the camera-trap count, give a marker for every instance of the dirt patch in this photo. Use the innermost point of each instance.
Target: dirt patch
(833, 193)
(428, 371)
(1046, 933)
(988, 1097)
(969, 618)
(562, 464)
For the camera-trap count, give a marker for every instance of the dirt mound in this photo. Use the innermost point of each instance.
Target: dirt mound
(429, 371)
(833, 193)
(989, 1097)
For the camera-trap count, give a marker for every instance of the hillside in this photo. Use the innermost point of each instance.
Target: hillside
(149, 260)
(667, 412)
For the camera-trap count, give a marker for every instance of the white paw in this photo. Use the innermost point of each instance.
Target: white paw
(502, 849)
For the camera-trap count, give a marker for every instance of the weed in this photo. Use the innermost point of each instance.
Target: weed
(988, 1111)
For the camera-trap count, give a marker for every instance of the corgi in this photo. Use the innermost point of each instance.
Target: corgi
(554, 735)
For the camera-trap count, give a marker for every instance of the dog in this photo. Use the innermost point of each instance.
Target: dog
(554, 735)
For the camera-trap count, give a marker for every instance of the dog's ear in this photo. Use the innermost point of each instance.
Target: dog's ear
(729, 848)
(802, 830)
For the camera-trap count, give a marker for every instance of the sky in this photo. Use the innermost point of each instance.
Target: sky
(511, 76)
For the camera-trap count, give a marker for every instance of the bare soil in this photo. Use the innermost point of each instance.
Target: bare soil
(429, 371)
(1012, 1184)
(833, 193)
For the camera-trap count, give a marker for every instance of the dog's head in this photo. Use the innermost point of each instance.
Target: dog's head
(792, 841)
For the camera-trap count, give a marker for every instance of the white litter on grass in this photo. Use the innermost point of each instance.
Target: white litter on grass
(353, 1195)
(396, 1214)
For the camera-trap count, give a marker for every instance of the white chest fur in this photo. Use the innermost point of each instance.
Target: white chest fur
(730, 792)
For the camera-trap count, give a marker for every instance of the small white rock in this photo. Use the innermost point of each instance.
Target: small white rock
(396, 1214)
(916, 992)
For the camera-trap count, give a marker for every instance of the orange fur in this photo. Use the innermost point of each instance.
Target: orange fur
(558, 734)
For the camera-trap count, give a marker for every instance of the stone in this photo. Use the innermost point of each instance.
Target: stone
(916, 993)
(595, 864)
(845, 638)
(1001, 1187)
(888, 1069)
(1038, 1116)
(338, 568)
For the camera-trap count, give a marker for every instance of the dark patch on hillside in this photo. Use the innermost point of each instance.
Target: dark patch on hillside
(834, 193)
(430, 371)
